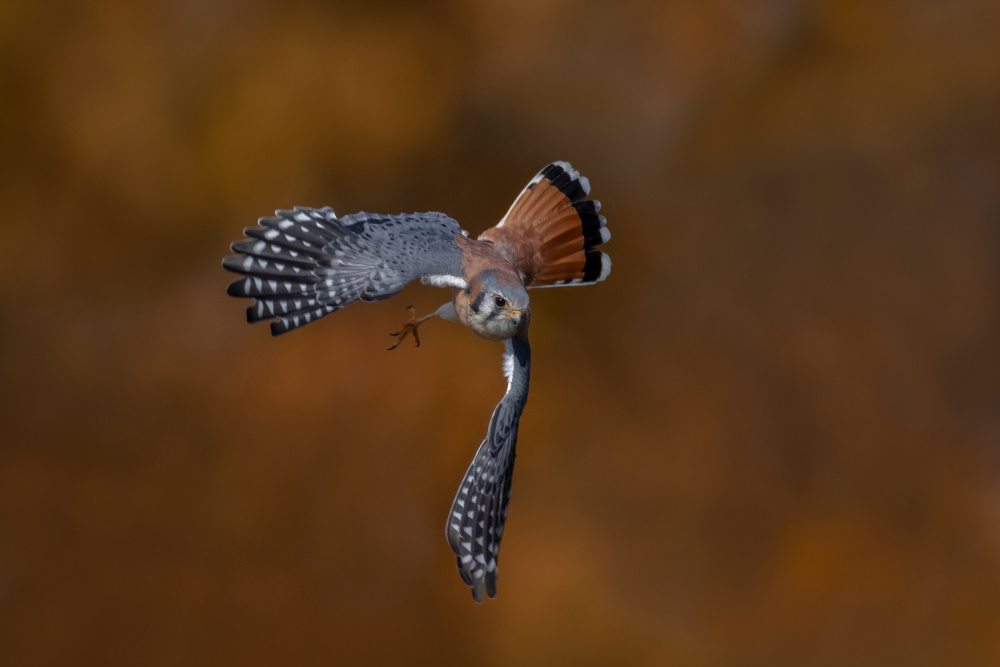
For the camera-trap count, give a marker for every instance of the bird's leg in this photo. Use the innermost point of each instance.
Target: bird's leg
(410, 327)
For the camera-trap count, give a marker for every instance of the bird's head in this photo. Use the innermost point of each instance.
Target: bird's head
(498, 305)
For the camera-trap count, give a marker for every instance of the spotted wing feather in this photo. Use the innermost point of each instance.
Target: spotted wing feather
(476, 521)
(304, 264)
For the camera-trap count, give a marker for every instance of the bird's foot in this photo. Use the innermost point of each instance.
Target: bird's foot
(409, 327)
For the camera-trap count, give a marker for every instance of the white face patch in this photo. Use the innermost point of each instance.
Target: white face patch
(490, 320)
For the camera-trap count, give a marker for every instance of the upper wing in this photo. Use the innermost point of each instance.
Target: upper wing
(551, 230)
(307, 263)
(475, 524)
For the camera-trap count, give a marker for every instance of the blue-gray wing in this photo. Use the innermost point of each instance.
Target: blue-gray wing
(475, 524)
(304, 264)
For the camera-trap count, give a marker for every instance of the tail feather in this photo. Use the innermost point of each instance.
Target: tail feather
(568, 181)
(584, 229)
(590, 265)
(541, 205)
(552, 230)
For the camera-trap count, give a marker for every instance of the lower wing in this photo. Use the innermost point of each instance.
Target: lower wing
(475, 524)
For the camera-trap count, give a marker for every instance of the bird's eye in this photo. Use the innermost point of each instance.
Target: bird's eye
(500, 301)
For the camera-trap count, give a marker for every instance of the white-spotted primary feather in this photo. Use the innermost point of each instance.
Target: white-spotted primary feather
(478, 513)
(304, 264)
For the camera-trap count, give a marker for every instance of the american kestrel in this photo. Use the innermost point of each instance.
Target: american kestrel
(306, 263)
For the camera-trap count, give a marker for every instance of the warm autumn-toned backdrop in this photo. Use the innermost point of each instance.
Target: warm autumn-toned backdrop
(772, 437)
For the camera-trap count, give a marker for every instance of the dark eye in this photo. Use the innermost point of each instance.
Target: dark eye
(500, 301)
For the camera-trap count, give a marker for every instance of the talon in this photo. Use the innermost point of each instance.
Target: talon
(409, 327)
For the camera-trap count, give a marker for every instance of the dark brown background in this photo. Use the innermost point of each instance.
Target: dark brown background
(770, 438)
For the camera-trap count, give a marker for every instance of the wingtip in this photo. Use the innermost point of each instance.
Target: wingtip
(237, 287)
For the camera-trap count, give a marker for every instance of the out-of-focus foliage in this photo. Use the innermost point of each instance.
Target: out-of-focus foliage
(770, 438)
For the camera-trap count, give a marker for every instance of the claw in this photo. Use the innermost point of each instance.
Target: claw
(409, 327)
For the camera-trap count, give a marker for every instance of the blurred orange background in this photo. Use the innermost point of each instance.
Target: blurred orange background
(771, 437)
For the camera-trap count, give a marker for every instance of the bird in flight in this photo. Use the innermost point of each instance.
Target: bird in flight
(304, 264)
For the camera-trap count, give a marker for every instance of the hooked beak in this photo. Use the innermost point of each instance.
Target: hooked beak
(514, 315)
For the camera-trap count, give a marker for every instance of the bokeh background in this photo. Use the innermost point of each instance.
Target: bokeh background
(771, 437)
